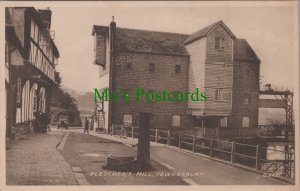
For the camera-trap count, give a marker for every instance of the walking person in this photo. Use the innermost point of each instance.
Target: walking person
(86, 126)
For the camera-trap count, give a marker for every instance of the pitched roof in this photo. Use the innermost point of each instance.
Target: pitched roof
(144, 41)
(37, 17)
(150, 42)
(205, 31)
(100, 29)
(243, 51)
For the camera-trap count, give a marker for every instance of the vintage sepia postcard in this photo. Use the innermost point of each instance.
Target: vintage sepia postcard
(181, 95)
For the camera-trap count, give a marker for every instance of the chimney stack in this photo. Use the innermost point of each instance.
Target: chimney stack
(112, 31)
(45, 15)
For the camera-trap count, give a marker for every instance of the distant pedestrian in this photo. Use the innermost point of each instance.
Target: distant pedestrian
(92, 124)
(86, 126)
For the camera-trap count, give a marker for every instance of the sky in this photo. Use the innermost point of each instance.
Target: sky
(270, 31)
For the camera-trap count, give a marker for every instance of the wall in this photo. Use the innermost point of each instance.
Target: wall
(103, 57)
(246, 81)
(218, 72)
(18, 22)
(164, 78)
(197, 51)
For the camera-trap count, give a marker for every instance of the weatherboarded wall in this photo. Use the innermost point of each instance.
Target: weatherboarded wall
(219, 73)
(197, 51)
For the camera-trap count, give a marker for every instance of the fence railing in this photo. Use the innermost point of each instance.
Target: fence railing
(254, 156)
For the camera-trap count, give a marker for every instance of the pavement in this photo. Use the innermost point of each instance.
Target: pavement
(34, 160)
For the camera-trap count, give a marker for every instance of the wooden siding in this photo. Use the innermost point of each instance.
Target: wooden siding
(218, 73)
(100, 49)
(101, 54)
(197, 51)
(219, 55)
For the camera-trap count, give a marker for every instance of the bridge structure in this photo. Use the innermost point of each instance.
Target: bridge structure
(280, 98)
(282, 134)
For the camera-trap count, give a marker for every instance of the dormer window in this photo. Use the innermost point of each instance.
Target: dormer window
(219, 43)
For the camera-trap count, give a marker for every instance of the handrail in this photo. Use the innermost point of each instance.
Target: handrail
(212, 145)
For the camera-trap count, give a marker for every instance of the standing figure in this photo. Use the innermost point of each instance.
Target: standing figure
(92, 124)
(86, 126)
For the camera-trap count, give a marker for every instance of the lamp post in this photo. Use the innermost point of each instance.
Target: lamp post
(99, 109)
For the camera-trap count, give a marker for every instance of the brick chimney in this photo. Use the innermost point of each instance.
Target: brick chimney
(112, 34)
(112, 28)
(45, 15)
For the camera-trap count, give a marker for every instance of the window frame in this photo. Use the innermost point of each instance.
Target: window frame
(175, 120)
(225, 120)
(124, 117)
(128, 65)
(218, 93)
(151, 67)
(19, 90)
(245, 117)
(219, 43)
(246, 97)
(177, 69)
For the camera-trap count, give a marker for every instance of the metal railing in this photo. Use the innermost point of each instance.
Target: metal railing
(254, 156)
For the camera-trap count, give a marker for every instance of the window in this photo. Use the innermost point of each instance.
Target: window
(222, 42)
(223, 122)
(35, 100)
(246, 99)
(177, 69)
(218, 94)
(245, 122)
(19, 89)
(176, 121)
(248, 72)
(127, 120)
(151, 67)
(219, 42)
(128, 65)
(223, 95)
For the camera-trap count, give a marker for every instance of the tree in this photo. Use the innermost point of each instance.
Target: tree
(57, 77)
(68, 102)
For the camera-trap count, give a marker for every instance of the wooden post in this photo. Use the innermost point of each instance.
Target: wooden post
(211, 148)
(169, 138)
(132, 131)
(194, 140)
(179, 138)
(156, 134)
(232, 151)
(202, 127)
(257, 158)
